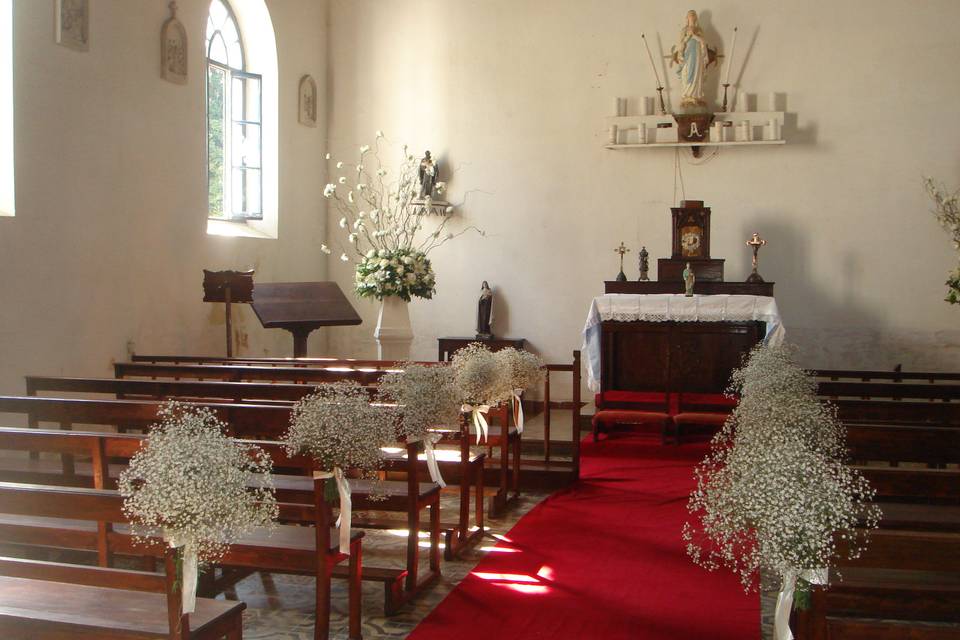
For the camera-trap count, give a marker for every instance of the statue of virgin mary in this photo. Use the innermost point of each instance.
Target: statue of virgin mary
(692, 56)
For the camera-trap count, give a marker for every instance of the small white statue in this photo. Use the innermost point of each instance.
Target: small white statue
(692, 56)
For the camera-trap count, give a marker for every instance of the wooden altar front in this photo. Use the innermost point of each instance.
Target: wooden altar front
(674, 357)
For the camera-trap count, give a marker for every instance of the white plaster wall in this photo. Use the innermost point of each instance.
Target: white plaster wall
(109, 238)
(514, 94)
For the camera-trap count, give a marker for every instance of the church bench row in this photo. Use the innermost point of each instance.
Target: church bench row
(509, 446)
(908, 581)
(265, 422)
(468, 469)
(56, 600)
(573, 368)
(855, 375)
(911, 566)
(288, 548)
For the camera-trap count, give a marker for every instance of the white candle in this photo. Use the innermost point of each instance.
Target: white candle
(772, 101)
(642, 133)
(743, 103)
(614, 133)
(646, 105)
(650, 55)
(733, 48)
(616, 106)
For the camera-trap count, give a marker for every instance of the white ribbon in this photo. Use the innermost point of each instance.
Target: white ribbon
(343, 522)
(518, 409)
(781, 623)
(479, 421)
(429, 440)
(188, 577)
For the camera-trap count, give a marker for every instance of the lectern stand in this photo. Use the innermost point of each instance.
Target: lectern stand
(301, 307)
(228, 287)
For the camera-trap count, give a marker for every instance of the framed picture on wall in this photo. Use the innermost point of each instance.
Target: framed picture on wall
(72, 23)
(308, 101)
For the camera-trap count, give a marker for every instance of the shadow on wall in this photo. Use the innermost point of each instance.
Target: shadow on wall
(841, 332)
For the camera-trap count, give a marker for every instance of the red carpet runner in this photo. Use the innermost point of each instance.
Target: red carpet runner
(602, 560)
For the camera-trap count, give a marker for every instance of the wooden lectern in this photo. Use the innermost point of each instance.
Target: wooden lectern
(301, 307)
(228, 287)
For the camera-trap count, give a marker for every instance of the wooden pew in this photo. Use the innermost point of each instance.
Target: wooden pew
(905, 585)
(907, 582)
(266, 422)
(510, 446)
(53, 600)
(467, 471)
(288, 549)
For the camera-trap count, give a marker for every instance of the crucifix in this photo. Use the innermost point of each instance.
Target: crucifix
(622, 249)
(755, 242)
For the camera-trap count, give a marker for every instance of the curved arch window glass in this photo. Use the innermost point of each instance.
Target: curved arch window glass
(234, 126)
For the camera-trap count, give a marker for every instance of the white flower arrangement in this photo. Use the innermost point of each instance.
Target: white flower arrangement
(339, 428)
(193, 485)
(774, 493)
(427, 397)
(385, 222)
(947, 211)
(524, 370)
(482, 383)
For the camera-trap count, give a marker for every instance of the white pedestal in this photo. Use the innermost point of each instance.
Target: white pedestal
(393, 333)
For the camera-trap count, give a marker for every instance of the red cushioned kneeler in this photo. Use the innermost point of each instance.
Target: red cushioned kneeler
(611, 417)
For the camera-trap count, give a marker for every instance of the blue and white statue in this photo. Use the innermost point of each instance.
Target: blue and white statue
(692, 56)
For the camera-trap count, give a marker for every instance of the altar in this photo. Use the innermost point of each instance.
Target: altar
(659, 335)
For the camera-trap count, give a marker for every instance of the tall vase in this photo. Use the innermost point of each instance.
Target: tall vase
(393, 333)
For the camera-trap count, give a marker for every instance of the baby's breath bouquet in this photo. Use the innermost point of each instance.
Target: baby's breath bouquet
(774, 493)
(194, 485)
(426, 397)
(384, 222)
(482, 383)
(524, 371)
(947, 211)
(341, 430)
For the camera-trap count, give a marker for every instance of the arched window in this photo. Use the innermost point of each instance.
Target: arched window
(234, 121)
(6, 108)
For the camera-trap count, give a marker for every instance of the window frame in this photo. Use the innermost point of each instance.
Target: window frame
(229, 207)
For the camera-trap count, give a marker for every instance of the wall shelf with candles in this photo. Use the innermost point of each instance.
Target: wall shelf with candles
(728, 129)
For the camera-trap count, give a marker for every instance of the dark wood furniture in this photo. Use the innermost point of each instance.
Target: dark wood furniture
(447, 346)
(301, 307)
(53, 600)
(701, 287)
(289, 548)
(268, 423)
(228, 287)
(692, 357)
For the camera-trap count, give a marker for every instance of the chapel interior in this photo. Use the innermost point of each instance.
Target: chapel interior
(475, 319)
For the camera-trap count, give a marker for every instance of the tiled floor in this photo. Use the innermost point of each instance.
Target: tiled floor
(281, 606)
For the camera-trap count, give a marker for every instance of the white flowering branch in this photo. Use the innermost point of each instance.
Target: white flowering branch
(947, 211)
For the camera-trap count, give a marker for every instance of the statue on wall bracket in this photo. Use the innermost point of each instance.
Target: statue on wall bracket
(693, 56)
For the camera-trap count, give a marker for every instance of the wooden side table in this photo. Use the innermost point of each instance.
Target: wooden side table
(449, 346)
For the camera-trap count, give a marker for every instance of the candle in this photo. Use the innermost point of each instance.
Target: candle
(646, 106)
(743, 102)
(650, 55)
(642, 133)
(772, 101)
(733, 48)
(614, 133)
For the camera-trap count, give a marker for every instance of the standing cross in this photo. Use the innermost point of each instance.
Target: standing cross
(622, 249)
(755, 242)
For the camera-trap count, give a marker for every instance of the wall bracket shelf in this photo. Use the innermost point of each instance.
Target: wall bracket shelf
(735, 129)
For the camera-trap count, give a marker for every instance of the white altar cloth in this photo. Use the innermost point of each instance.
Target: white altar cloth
(668, 307)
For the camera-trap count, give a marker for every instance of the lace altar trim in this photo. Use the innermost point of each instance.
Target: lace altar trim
(629, 316)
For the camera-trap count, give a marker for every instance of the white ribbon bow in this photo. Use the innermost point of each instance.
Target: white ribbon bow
(479, 421)
(781, 623)
(429, 441)
(188, 578)
(343, 522)
(518, 409)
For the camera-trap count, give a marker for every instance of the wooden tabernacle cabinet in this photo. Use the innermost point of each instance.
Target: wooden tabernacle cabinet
(694, 357)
